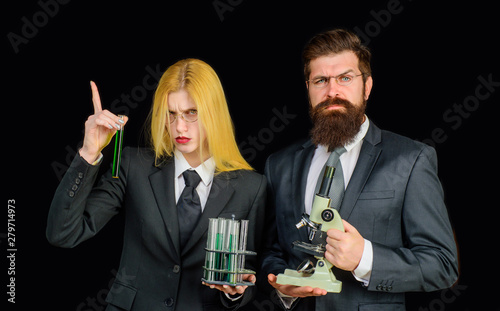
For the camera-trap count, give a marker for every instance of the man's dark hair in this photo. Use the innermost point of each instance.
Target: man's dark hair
(334, 42)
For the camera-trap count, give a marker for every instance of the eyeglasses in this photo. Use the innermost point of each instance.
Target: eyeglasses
(343, 79)
(189, 116)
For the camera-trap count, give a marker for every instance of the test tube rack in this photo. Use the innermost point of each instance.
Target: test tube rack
(226, 251)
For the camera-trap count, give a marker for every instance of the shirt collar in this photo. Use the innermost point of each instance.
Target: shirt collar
(363, 129)
(205, 170)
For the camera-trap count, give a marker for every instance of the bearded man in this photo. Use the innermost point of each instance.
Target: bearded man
(398, 237)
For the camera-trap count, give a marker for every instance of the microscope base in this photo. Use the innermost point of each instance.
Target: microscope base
(322, 278)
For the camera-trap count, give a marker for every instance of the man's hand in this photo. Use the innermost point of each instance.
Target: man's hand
(295, 291)
(344, 249)
(233, 290)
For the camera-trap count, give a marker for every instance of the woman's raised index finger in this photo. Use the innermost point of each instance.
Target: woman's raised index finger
(96, 100)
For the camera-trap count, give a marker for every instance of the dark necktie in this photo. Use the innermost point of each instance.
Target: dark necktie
(337, 189)
(188, 206)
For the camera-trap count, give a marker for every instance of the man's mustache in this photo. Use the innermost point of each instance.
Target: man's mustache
(333, 101)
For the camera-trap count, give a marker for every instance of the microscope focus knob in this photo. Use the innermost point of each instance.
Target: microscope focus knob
(327, 215)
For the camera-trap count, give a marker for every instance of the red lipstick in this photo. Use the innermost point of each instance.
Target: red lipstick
(182, 139)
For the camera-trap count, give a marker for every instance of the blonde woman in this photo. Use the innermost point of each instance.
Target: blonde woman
(163, 246)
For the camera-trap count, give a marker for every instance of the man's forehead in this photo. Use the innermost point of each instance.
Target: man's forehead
(334, 64)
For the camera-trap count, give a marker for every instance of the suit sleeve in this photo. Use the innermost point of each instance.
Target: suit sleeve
(428, 259)
(79, 210)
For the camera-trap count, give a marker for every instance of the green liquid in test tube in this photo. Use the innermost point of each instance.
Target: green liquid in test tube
(118, 150)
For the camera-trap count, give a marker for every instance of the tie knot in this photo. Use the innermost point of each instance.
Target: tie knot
(191, 178)
(333, 159)
(339, 150)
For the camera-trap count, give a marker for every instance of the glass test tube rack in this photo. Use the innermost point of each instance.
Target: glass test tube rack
(226, 251)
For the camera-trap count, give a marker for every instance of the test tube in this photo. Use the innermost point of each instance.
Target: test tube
(231, 248)
(226, 260)
(226, 251)
(219, 257)
(210, 255)
(118, 150)
(242, 247)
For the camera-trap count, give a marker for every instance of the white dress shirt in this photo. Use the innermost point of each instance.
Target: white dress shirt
(205, 170)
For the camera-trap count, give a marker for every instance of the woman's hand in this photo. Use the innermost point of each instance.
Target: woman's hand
(234, 290)
(99, 128)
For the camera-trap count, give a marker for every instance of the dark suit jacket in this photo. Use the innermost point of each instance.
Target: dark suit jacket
(394, 199)
(154, 273)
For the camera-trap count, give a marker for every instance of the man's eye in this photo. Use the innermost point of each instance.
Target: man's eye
(345, 78)
(193, 112)
(320, 81)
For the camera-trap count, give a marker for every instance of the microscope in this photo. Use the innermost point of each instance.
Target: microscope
(322, 218)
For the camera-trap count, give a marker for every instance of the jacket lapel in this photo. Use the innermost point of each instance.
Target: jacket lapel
(220, 193)
(301, 164)
(367, 158)
(163, 189)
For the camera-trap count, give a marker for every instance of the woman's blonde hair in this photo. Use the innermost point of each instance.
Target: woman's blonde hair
(203, 85)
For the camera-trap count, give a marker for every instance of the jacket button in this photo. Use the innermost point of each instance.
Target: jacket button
(176, 269)
(379, 287)
(80, 175)
(71, 194)
(169, 302)
(77, 181)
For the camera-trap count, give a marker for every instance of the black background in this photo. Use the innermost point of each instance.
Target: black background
(427, 59)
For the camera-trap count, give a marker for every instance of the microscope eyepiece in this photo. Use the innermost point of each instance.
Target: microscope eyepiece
(326, 183)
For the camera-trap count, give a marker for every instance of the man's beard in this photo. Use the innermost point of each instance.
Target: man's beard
(336, 128)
